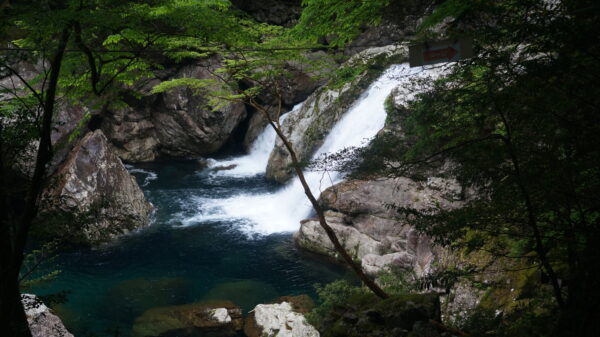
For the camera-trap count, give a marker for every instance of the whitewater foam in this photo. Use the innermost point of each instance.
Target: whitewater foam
(255, 162)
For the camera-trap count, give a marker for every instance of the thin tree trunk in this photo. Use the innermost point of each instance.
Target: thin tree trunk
(14, 235)
(531, 217)
(321, 215)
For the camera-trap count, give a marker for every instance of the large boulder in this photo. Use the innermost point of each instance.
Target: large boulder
(278, 320)
(307, 127)
(216, 318)
(361, 214)
(42, 321)
(179, 122)
(92, 197)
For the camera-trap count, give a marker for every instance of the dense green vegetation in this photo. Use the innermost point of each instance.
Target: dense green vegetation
(518, 126)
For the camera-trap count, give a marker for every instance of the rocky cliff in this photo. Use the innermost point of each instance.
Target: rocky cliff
(92, 197)
(177, 123)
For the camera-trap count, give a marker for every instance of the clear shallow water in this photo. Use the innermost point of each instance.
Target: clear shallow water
(170, 263)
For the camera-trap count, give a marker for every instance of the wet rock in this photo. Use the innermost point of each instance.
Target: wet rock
(224, 167)
(93, 196)
(278, 320)
(307, 127)
(42, 322)
(214, 318)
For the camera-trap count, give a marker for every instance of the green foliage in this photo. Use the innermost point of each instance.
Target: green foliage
(518, 127)
(397, 281)
(38, 268)
(364, 314)
(331, 295)
(339, 20)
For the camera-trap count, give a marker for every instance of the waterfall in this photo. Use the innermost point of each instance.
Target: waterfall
(255, 162)
(283, 210)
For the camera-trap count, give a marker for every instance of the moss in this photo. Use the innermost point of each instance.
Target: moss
(364, 314)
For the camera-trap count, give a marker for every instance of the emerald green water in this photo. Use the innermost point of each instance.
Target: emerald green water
(186, 255)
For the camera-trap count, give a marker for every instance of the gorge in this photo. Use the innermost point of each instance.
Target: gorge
(231, 168)
(222, 232)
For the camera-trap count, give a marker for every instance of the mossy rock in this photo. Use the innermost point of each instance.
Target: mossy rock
(302, 303)
(195, 319)
(367, 315)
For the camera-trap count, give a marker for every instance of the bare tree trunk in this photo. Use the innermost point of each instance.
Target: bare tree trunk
(14, 234)
(376, 289)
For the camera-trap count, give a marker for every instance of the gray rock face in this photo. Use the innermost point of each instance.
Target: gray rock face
(177, 123)
(278, 320)
(65, 121)
(42, 322)
(360, 214)
(93, 184)
(307, 127)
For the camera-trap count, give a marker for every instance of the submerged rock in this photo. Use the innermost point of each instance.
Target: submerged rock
(278, 320)
(42, 322)
(138, 295)
(245, 293)
(213, 318)
(92, 197)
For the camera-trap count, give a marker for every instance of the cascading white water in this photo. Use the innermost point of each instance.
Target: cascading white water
(283, 210)
(255, 162)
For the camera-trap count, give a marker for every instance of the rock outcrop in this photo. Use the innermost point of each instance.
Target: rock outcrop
(278, 320)
(294, 89)
(217, 318)
(42, 322)
(307, 127)
(367, 224)
(93, 195)
(179, 122)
